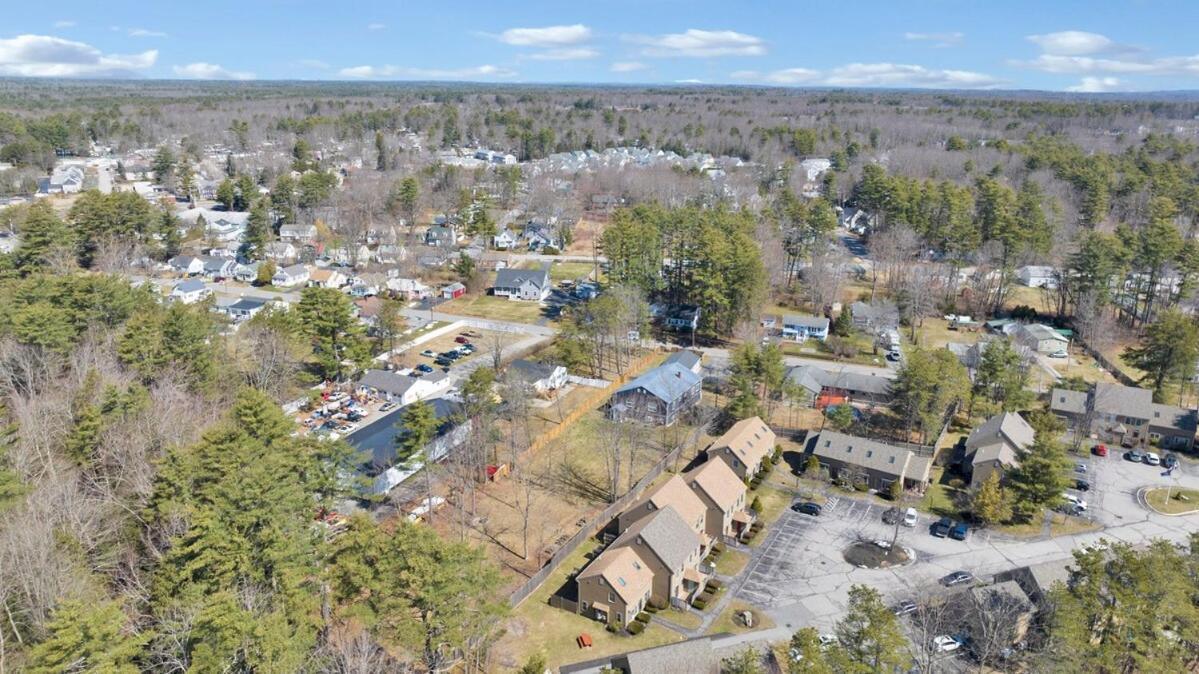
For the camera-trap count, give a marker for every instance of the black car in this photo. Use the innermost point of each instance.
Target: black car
(891, 515)
(1169, 461)
(443, 361)
(1082, 485)
(959, 531)
(807, 508)
(941, 527)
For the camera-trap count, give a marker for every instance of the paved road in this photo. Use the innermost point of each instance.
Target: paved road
(719, 358)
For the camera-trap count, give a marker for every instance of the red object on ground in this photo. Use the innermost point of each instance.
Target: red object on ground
(826, 399)
(584, 640)
(1100, 450)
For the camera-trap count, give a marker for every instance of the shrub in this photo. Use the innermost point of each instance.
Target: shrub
(699, 603)
(643, 618)
(812, 469)
(767, 463)
(651, 608)
(611, 628)
(715, 584)
(778, 453)
(861, 486)
(896, 490)
(756, 504)
(549, 250)
(636, 627)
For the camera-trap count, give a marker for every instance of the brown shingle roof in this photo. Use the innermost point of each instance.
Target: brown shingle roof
(666, 534)
(674, 493)
(624, 571)
(749, 439)
(718, 481)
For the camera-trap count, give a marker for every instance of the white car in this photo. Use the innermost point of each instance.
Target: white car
(946, 644)
(1153, 459)
(827, 640)
(910, 517)
(1078, 502)
(1059, 354)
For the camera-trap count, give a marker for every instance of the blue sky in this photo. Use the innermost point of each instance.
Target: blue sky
(1128, 45)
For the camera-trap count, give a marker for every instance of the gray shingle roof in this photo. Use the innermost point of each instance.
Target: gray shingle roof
(1068, 402)
(531, 371)
(514, 278)
(867, 453)
(1126, 401)
(686, 358)
(666, 534)
(999, 437)
(814, 378)
(668, 382)
(190, 285)
(1169, 416)
(695, 656)
(387, 381)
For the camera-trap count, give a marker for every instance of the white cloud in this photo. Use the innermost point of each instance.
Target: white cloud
(689, 81)
(406, 73)
(64, 24)
(566, 54)
(700, 43)
(1097, 84)
(48, 56)
(376, 26)
(874, 75)
(210, 71)
(1077, 43)
(315, 64)
(938, 39)
(627, 66)
(549, 36)
(143, 32)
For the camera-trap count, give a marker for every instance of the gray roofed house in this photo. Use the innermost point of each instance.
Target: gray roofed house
(693, 656)
(1125, 415)
(1065, 401)
(659, 396)
(1041, 338)
(875, 317)
(541, 376)
(692, 360)
(440, 237)
(190, 290)
(878, 464)
(244, 308)
(852, 385)
(671, 548)
(1036, 580)
(523, 284)
(995, 445)
(387, 381)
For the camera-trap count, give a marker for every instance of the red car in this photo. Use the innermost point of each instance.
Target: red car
(1099, 450)
(461, 340)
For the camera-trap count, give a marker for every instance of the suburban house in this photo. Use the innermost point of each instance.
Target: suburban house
(744, 446)
(409, 288)
(452, 431)
(1124, 415)
(244, 309)
(186, 264)
(803, 328)
(1037, 580)
(876, 317)
(673, 493)
(531, 285)
(671, 549)
(834, 388)
(401, 388)
(1040, 338)
(453, 291)
(996, 445)
(326, 278)
(494, 260)
(538, 235)
(246, 272)
(190, 291)
(287, 277)
(615, 587)
(505, 239)
(604, 203)
(657, 397)
(1035, 276)
(63, 180)
(218, 267)
(226, 227)
(692, 360)
(875, 463)
(723, 496)
(542, 377)
(280, 251)
(971, 355)
(682, 317)
(300, 234)
(440, 237)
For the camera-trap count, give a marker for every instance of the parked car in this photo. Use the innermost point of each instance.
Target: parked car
(1153, 459)
(946, 643)
(1082, 485)
(941, 527)
(1099, 450)
(1170, 460)
(957, 578)
(1059, 354)
(428, 353)
(468, 348)
(1076, 501)
(387, 407)
(424, 367)
(959, 531)
(452, 355)
(905, 607)
(891, 515)
(443, 361)
(1081, 467)
(910, 517)
(807, 508)
(461, 339)
(1135, 456)
(827, 640)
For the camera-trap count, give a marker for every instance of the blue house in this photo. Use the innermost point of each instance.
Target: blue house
(657, 397)
(803, 328)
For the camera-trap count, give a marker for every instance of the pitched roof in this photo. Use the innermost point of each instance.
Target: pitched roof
(871, 454)
(514, 278)
(1169, 416)
(1126, 401)
(814, 379)
(246, 304)
(322, 275)
(1067, 401)
(666, 533)
(387, 381)
(999, 437)
(294, 270)
(695, 656)
(1040, 332)
(817, 322)
(624, 571)
(532, 371)
(190, 286)
(668, 382)
(749, 439)
(674, 493)
(687, 358)
(718, 481)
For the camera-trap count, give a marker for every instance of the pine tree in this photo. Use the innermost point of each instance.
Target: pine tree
(327, 318)
(380, 152)
(990, 505)
(226, 193)
(1038, 481)
(1168, 353)
(843, 326)
(812, 659)
(87, 637)
(869, 638)
(42, 233)
(258, 231)
(84, 439)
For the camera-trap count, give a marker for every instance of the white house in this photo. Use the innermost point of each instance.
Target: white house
(244, 309)
(542, 377)
(246, 272)
(186, 264)
(190, 291)
(280, 251)
(409, 288)
(297, 233)
(64, 180)
(505, 239)
(295, 275)
(327, 278)
(1035, 276)
(402, 388)
(218, 267)
(802, 328)
(522, 284)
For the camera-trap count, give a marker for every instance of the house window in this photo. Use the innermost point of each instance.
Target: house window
(636, 565)
(827, 443)
(869, 453)
(892, 460)
(611, 596)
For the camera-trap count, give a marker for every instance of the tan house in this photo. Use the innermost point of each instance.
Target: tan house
(672, 551)
(723, 496)
(873, 463)
(615, 587)
(744, 446)
(327, 278)
(996, 445)
(673, 493)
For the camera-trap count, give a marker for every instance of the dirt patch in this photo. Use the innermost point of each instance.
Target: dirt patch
(870, 555)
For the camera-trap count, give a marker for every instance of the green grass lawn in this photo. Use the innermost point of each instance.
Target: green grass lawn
(498, 308)
(727, 622)
(689, 619)
(731, 563)
(1173, 505)
(939, 499)
(570, 271)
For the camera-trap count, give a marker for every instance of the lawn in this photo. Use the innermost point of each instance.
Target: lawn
(497, 308)
(535, 626)
(727, 622)
(731, 563)
(1172, 501)
(774, 502)
(1059, 525)
(689, 619)
(939, 499)
(934, 333)
(571, 271)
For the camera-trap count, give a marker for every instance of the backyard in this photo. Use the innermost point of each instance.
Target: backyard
(496, 308)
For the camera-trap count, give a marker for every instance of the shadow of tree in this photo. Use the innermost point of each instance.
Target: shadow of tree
(577, 481)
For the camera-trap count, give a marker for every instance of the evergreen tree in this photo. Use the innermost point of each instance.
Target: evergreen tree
(42, 233)
(87, 637)
(990, 504)
(869, 638)
(226, 193)
(380, 152)
(1039, 479)
(327, 318)
(245, 193)
(417, 428)
(1001, 377)
(1168, 353)
(258, 231)
(812, 660)
(843, 326)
